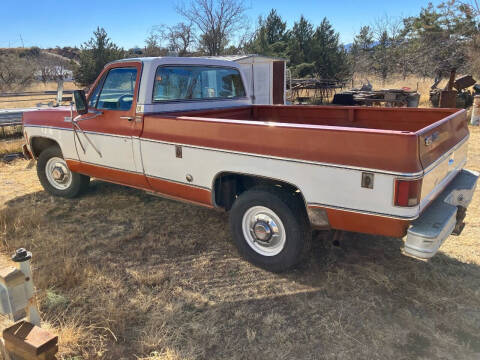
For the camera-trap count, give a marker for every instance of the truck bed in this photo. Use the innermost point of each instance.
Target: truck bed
(402, 140)
(394, 119)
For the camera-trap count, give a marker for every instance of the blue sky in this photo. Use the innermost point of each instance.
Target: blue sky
(50, 23)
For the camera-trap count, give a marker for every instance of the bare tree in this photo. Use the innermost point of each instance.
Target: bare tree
(51, 67)
(474, 55)
(153, 44)
(473, 5)
(16, 73)
(180, 38)
(163, 39)
(384, 30)
(473, 52)
(245, 39)
(217, 21)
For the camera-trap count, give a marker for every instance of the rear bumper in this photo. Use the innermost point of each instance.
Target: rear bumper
(427, 233)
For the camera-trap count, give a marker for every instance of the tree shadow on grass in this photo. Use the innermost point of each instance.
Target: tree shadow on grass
(165, 278)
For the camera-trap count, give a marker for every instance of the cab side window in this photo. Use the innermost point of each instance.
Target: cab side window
(92, 101)
(118, 89)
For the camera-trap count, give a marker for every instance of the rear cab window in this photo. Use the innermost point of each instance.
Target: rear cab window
(183, 83)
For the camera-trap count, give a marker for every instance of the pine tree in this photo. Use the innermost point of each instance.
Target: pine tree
(328, 56)
(94, 55)
(270, 36)
(274, 27)
(441, 35)
(381, 56)
(300, 41)
(361, 51)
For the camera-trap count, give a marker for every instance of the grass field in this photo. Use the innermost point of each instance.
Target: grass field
(124, 275)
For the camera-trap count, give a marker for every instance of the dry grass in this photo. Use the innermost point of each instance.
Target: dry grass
(123, 275)
(32, 101)
(11, 146)
(10, 132)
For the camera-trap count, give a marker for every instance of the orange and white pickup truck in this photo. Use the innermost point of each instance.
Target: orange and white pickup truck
(185, 128)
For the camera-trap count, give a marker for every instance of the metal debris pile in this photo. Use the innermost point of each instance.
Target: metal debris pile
(404, 97)
(455, 94)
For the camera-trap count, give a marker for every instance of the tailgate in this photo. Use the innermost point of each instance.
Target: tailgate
(443, 152)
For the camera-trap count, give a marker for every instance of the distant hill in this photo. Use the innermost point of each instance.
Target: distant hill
(67, 53)
(71, 53)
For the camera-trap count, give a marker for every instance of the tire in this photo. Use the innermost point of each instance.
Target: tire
(69, 183)
(287, 234)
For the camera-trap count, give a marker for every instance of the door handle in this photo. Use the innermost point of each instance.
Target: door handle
(129, 118)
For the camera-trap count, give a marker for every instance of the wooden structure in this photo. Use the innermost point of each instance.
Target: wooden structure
(26, 341)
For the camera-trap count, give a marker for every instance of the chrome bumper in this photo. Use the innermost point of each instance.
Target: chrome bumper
(444, 216)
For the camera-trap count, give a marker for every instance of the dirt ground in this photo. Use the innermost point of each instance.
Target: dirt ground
(124, 275)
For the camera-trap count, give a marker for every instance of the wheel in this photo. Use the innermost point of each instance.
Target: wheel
(270, 228)
(55, 176)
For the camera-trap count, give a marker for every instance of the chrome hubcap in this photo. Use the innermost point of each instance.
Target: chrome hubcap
(263, 230)
(58, 174)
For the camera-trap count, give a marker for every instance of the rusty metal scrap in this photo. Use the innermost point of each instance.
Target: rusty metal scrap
(386, 97)
(464, 82)
(455, 93)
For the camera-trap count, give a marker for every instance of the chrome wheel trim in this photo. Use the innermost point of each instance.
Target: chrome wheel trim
(58, 174)
(263, 231)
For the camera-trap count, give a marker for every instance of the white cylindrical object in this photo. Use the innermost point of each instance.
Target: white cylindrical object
(476, 111)
(23, 263)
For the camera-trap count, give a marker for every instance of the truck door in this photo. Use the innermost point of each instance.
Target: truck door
(105, 145)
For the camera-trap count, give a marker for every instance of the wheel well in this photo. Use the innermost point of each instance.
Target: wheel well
(228, 186)
(38, 144)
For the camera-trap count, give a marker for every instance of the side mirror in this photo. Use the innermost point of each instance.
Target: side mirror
(80, 99)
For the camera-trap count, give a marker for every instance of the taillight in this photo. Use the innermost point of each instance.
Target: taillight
(407, 192)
